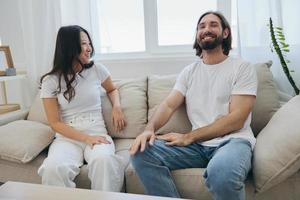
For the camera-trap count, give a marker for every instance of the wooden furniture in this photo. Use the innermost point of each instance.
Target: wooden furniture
(28, 191)
(8, 107)
(5, 108)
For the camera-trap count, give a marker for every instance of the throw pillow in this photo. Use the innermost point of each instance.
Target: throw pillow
(267, 99)
(277, 150)
(158, 89)
(134, 105)
(21, 141)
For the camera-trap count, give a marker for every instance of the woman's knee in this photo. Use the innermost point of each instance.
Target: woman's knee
(104, 160)
(53, 169)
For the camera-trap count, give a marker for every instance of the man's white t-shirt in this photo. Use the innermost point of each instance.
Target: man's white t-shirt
(88, 91)
(208, 90)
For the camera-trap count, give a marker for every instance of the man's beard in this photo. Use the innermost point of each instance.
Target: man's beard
(209, 45)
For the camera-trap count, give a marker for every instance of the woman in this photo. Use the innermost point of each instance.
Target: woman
(71, 94)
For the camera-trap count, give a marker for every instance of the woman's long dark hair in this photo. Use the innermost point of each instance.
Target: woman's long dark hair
(226, 45)
(67, 50)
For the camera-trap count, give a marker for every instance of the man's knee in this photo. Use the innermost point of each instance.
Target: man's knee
(149, 155)
(138, 158)
(222, 180)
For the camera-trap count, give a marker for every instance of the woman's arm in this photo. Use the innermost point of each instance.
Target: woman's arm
(52, 112)
(117, 113)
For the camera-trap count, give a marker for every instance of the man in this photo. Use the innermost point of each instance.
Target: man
(219, 92)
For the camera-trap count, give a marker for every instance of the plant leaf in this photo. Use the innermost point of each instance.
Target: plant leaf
(285, 45)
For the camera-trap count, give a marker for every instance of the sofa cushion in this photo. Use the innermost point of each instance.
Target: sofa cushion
(23, 140)
(37, 112)
(277, 151)
(134, 105)
(22, 172)
(189, 182)
(267, 99)
(158, 89)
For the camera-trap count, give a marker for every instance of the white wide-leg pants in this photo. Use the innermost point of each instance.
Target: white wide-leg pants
(66, 156)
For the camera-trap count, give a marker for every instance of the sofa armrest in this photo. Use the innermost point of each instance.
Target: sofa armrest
(283, 97)
(13, 116)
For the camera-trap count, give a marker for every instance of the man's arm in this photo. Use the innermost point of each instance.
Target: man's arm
(165, 110)
(159, 118)
(239, 110)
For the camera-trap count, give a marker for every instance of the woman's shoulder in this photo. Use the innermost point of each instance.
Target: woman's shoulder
(100, 67)
(101, 70)
(50, 78)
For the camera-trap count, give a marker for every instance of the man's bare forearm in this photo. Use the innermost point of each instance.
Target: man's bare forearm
(223, 126)
(160, 117)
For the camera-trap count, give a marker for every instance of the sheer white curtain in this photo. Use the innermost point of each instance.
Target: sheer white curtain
(254, 36)
(40, 21)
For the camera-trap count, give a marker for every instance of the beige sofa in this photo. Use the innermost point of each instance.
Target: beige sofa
(276, 163)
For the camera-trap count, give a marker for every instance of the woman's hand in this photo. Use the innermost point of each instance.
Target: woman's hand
(118, 118)
(92, 140)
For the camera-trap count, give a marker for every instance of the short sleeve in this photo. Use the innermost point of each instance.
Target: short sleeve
(49, 87)
(245, 80)
(181, 84)
(102, 72)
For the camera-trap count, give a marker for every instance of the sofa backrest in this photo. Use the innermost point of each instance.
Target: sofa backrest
(133, 99)
(158, 89)
(141, 96)
(37, 112)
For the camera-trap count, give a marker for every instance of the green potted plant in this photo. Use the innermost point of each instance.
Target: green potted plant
(281, 47)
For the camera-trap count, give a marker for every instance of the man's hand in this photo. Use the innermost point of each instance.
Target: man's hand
(92, 140)
(141, 141)
(177, 139)
(118, 118)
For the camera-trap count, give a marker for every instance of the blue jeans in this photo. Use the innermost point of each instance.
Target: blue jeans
(227, 166)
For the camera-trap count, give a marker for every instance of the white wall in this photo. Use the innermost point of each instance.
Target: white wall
(11, 34)
(144, 67)
(11, 31)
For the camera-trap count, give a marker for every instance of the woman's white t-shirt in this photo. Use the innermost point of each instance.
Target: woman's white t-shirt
(87, 86)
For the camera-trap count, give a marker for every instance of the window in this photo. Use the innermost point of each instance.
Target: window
(121, 26)
(148, 28)
(177, 19)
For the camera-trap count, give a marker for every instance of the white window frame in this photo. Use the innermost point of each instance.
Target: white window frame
(152, 49)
